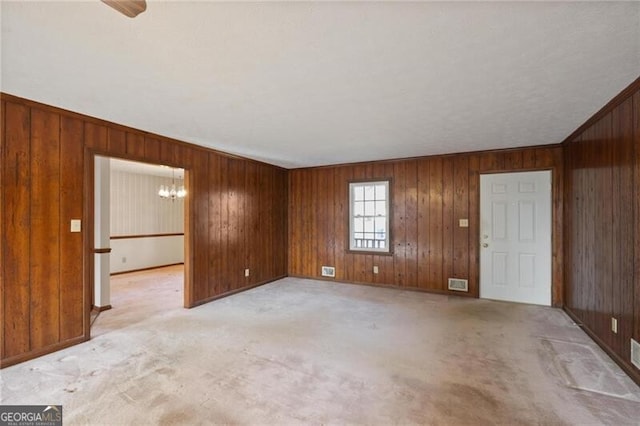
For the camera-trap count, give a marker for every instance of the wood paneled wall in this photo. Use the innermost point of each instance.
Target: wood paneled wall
(236, 219)
(602, 213)
(429, 195)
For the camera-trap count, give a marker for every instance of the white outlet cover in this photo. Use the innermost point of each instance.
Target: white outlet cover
(463, 223)
(76, 225)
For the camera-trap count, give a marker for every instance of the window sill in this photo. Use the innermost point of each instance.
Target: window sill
(374, 253)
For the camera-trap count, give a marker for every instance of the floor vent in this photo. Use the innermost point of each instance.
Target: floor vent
(635, 353)
(328, 271)
(457, 284)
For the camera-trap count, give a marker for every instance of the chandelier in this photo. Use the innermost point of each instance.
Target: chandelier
(172, 192)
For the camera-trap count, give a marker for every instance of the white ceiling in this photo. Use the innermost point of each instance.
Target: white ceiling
(313, 83)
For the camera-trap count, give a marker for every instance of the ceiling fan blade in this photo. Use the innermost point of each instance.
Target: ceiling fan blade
(130, 8)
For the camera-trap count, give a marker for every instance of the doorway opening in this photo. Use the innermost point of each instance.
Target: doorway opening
(140, 212)
(515, 237)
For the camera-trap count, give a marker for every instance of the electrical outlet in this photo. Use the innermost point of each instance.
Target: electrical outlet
(246, 272)
(463, 223)
(124, 260)
(614, 325)
(375, 269)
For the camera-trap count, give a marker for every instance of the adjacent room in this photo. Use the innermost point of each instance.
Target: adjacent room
(321, 212)
(141, 227)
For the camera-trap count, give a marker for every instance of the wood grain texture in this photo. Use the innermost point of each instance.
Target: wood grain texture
(636, 231)
(135, 145)
(2, 161)
(71, 203)
(44, 253)
(130, 8)
(428, 196)
(16, 184)
(237, 219)
(602, 218)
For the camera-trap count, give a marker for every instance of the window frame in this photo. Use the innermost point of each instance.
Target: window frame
(388, 250)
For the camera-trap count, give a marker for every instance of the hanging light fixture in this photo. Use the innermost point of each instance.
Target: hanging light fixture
(171, 192)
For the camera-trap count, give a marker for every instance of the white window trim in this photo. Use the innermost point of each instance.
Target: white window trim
(352, 245)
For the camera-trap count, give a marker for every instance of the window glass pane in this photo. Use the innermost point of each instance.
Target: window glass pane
(368, 225)
(369, 193)
(358, 193)
(380, 225)
(369, 208)
(358, 208)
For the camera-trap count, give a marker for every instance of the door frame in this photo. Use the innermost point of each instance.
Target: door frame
(89, 250)
(557, 243)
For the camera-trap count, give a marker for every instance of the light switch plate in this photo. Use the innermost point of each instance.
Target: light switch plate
(464, 223)
(246, 272)
(375, 269)
(76, 225)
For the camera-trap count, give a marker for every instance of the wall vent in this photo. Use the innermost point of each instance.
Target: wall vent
(635, 353)
(328, 271)
(457, 284)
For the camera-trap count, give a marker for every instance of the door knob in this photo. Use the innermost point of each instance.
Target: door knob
(485, 245)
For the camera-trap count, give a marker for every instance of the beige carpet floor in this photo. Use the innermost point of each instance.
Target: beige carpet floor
(312, 352)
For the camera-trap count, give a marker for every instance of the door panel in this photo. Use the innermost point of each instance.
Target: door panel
(515, 237)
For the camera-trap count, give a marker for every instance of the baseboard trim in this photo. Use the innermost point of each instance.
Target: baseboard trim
(232, 292)
(626, 367)
(7, 362)
(101, 308)
(390, 286)
(146, 269)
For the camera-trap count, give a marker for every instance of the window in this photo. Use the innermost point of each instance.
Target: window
(369, 216)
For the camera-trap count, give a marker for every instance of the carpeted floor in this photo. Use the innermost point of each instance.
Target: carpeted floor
(312, 352)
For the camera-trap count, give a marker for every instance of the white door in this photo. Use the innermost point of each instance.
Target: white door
(515, 237)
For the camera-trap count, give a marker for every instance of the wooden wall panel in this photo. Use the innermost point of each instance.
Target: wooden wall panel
(2, 149)
(152, 149)
(602, 220)
(16, 185)
(429, 196)
(636, 203)
(135, 145)
(200, 226)
(116, 142)
(447, 221)
(237, 219)
(434, 237)
(423, 222)
(71, 203)
(222, 250)
(623, 223)
(44, 253)
(474, 225)
(213, 232)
